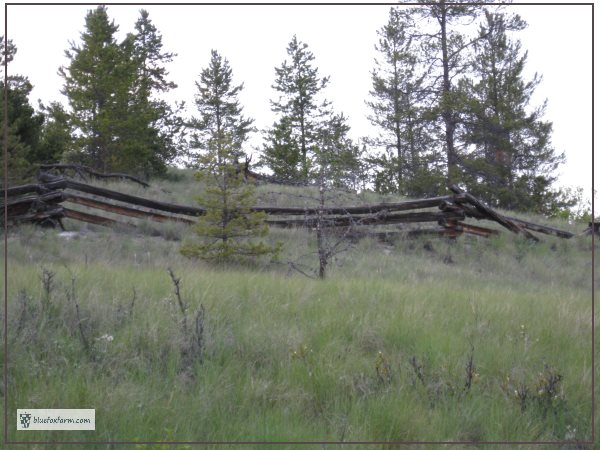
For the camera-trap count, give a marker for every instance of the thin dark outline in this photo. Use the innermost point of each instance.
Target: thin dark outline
(5, 224)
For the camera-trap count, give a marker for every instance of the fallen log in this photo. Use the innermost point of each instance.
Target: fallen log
(493, 215)
(79, 169)
(541, 228)
(472, 212)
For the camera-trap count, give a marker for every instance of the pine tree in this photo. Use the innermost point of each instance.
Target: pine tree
(299, 86)
(113, 88)
(405, 162)
(97, 85)
(24, 124)
(445, 53)
(160, 126)
(513, 162)
(338, 156)
(220, 111)
(281, 153)
(56, 140)
(229, 230)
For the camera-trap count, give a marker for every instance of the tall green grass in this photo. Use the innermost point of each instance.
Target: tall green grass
(287, 358)
(379, 351)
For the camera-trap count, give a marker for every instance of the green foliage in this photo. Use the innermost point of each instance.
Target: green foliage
(229, 228)
(397, 110)
(159, 126)
(296, 133)
(512, 162)
(117, 124)
(220, 112)
(281, 153)
(338, 157)
(24, 129)
(56, 139)
(26, 146)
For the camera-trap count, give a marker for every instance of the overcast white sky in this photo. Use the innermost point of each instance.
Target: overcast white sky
(342, 37)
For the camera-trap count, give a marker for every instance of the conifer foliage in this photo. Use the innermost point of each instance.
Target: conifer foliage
(229, 230)
(220, 113)
(110, 85)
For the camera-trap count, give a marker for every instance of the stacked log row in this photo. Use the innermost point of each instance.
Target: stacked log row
(43, 203)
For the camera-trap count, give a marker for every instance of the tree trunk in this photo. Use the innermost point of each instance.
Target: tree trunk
(447, 114)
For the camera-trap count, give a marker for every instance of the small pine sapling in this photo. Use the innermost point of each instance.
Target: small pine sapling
(229, 229)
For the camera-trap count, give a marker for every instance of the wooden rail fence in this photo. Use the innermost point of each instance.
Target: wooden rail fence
(44, 203)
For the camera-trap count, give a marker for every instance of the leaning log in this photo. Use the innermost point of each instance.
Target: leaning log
(541, 228)
(493, 215)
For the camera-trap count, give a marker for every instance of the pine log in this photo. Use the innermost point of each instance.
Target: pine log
(378, 219)
(79, 169)
(364, 209)
(91, 218)
(126, 198)
(117, 209)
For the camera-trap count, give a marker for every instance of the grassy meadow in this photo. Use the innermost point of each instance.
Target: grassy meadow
(415, 340)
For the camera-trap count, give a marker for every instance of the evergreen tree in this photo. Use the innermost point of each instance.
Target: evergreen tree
(160, 126)
(220, 111)
(97, 85)
(513, 162)
(229, 229)
(299, 85)
(444, 54)
(115, 113)
(24, 125)
(281, 153)
(56, 140)
(338, 157)
(405, 163)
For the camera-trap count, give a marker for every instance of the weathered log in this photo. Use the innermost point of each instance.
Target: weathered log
(378, 219)
(443, 232)
(364, 209)
(124, 210)
(471, 211)
(39, 188)
(126, 198)
(38, 216)
(79, 169)
(541, 228)
(91, 218)
(50, 197)
(472, 229)
(489, 213)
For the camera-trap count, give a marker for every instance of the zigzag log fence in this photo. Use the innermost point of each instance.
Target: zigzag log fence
(43, 203)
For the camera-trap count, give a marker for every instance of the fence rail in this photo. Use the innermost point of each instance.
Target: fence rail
(43, 203)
